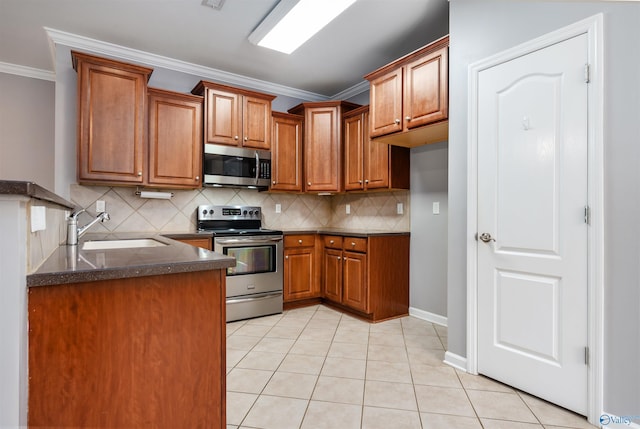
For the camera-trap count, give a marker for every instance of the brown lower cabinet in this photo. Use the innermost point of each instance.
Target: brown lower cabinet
(366, 276)
(135, 352)
(205, 242)
(301, 268)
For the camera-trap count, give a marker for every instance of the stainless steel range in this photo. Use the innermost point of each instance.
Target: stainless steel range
(254, 285)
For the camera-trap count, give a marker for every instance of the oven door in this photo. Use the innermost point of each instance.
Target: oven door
(259, 264)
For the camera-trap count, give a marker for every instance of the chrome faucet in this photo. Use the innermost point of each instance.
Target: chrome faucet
(74, 233)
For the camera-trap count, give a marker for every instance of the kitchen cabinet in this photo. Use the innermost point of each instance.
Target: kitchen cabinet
(369, 164)
(235, 116)
(322, 153)
(410, 97)
(204, 242)
(132, 352)
(112, 102)
(301, 268)
(175, 139)
(286, 152)
(368, 277)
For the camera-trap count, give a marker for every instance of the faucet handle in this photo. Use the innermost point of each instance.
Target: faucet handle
(74, 215)
(105, 216)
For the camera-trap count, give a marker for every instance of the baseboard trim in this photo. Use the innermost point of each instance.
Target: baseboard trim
(613, 421)
(429, 317)
(455, 361)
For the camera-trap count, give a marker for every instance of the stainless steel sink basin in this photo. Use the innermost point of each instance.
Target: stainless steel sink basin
(121, 244)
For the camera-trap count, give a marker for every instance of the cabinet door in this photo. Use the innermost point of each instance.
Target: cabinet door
(223, 112)
(386, 104)
(256, 123)
(205, 243)
(354, 129)
(286, 153)
(175, 139)
(112, 115)
(376, 160)
(426, 90)
(332, 275)
(299, 279)
(322, 150)
(355, 293)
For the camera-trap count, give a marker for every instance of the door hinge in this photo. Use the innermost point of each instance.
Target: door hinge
(587, 215)
(586, 356)
(587, 73)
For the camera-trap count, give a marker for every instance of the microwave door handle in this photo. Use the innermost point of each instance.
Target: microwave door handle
(257, 167)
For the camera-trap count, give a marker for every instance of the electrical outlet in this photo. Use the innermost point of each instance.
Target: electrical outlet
(400, 208)
(101, 206)
(348, 208)
(278, 208)
(436, 208)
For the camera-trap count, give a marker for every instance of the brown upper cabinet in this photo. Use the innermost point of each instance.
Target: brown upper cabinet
(112, 98)
(175, 139)
(368, 164)
(410, 97)
(323, 158)
(286, 152)
(235, 116)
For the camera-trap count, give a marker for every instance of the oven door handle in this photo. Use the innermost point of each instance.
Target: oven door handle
(253, 298)
(257, 167)
(247, 240)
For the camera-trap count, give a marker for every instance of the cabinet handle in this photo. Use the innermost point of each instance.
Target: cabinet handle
(299, 241)
(397, 121)
(236, 137)
(139, 173)
(408, 118)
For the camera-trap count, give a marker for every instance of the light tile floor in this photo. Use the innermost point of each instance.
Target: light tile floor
(316, 368)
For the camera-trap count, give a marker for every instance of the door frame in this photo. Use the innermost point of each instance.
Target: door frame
(593, 27)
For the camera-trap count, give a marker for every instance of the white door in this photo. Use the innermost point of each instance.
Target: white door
(532, 193)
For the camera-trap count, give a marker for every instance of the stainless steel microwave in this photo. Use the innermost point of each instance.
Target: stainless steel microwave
(236, 167)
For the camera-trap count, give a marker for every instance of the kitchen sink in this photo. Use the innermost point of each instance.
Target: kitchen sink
(121, 244)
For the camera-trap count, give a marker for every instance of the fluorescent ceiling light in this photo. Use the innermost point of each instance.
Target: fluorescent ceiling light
(293, 22)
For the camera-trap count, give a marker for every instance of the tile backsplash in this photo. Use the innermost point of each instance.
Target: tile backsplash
(130, 213)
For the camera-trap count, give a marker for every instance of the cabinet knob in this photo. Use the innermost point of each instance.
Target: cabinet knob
(286, 257)
(397, 121)
(339, 258)
(360, 181)
(139, 173)
(353, 244)
(246, 138)
(197, 177)
(235, 137)
(408, 118)
(331, 241)
(299, 241)
(308, 183)
(273, 183)
(366, 181)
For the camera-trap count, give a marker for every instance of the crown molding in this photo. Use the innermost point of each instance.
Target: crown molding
(128, 54)
(27, 71)
(356, 89)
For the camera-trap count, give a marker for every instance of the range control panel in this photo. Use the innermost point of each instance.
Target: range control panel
(213, 212)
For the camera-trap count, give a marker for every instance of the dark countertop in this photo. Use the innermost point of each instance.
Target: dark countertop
(346, 232)
(30, 189)
(71, 264)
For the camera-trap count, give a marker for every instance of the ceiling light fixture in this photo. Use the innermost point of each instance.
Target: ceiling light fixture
(293, 22)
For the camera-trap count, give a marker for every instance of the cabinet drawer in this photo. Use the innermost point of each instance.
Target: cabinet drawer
(355, 244)
(333, 241)
(299, 240)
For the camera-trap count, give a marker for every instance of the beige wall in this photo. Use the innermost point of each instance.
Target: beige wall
(27, 130)
(130, 213)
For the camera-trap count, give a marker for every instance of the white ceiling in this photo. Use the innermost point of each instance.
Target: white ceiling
(368, 35)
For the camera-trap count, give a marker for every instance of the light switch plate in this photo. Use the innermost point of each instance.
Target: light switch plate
(436, 208)
(348, 208)
(278, 208)
(400, 208)
(101, 206)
